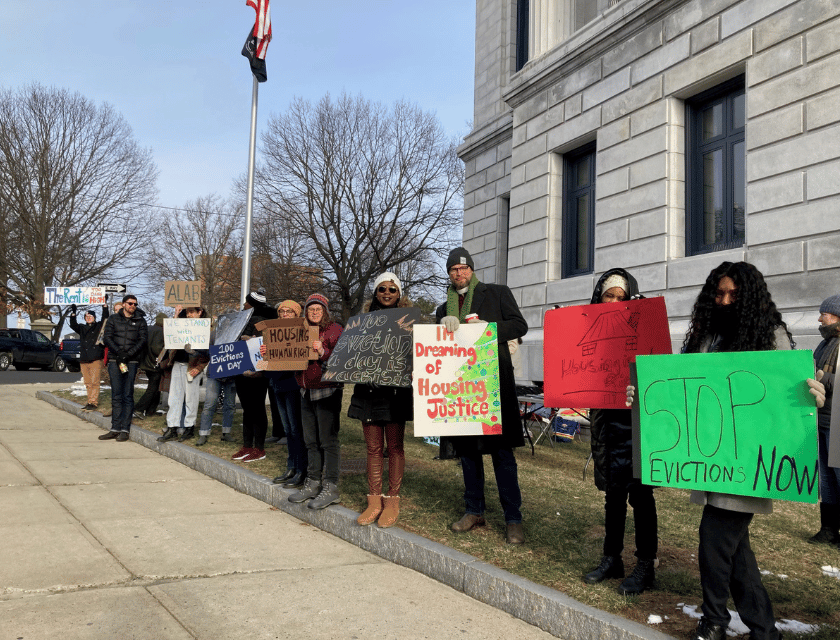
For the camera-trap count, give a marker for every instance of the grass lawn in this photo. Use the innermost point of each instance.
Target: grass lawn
(563, 521)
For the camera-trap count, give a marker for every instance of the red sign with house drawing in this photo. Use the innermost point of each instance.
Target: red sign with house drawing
(588, 350)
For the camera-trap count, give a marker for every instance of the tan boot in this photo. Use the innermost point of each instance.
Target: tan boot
(390, 513)
(369, 515)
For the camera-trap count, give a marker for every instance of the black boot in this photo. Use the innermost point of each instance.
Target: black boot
(609, 567)
(188, 433)
(829, 525)
(708, 631)
(641, 579)
(169, 434)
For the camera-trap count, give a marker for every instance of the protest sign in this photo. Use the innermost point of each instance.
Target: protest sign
(375, 348)
(64, 296)
(740, 423)
(456, 381)
(179, 332)
(588, 350)
(229, 359)
(254, 345)
(186, 293)
(229, 326)
(288, 343)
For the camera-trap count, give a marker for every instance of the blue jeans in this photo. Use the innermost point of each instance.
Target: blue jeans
(507, 479)
(288, 404)
(122, 395)
(212, 389)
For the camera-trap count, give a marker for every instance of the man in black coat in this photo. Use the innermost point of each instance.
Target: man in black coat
(125, 336)
(91, 352)
(469, 300)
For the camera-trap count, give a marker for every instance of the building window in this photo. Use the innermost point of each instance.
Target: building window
(522, 25)
(579, 211)
(715, 169)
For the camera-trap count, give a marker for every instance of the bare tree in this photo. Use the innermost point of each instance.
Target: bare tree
(75, 190)
(202, 242)
(371, 188)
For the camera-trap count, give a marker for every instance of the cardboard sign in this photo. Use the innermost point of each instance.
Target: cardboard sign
(179, 332)
(375, 347)
(456, 381)
(229, 359)
(588, 350)
(64, 296)
(186, 293)
(229, 326)
(740, 423)
(288, 343)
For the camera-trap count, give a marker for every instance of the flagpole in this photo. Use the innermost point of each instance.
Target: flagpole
(249, 207)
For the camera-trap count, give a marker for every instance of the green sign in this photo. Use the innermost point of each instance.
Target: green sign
(741, 423)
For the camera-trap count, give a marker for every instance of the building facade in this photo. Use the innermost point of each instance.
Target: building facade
(662, 136)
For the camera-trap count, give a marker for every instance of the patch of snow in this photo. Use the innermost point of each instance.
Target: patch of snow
(765, 572)
(654, 619)
(794, 626)
(737, 627)
(828, 570)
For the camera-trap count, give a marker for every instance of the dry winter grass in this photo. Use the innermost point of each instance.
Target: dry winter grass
(564, 529)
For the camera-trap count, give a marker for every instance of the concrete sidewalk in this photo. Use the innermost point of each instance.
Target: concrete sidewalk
(113, 540)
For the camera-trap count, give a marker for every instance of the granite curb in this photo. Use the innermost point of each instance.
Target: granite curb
(535, 604)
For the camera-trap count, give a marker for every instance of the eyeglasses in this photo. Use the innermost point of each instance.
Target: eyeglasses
(288, 312)
(130, 304)
(458, 269)
(388, 289)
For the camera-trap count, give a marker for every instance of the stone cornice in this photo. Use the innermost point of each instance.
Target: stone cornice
(490, 135)
(614, 26)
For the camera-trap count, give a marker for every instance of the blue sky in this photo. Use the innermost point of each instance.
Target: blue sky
(173, 69)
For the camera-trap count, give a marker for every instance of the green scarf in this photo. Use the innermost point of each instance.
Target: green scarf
(452, 300)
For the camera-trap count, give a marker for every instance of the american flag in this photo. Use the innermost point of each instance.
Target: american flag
(256, 45)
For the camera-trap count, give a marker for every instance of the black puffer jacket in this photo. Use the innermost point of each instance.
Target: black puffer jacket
(89, 351)
(126, 337)
(612, 435)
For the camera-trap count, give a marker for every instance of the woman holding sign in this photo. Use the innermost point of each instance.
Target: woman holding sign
(184, 385)
(320, 406)
(612, 453)
(383, 412)
(734, 312)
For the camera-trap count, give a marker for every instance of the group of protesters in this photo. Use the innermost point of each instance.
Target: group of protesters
(733, 312)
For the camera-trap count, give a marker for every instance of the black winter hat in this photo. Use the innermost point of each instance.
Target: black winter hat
(91, 312)
(459, 255)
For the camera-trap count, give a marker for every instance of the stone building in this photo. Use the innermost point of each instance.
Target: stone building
(663, 136)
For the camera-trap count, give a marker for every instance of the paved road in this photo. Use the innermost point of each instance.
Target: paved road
(108, 539)
(12, 376)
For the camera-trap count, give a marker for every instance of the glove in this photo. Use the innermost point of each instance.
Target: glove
(450, 323)
(73, 309)
(817, 388)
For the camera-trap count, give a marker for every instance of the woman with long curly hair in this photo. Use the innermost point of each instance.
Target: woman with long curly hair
(734, 312)
(383, 412)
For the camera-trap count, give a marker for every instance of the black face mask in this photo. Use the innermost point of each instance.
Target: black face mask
(830, 331)
(724, 319)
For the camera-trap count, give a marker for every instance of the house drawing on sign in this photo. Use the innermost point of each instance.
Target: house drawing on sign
(610, 325)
